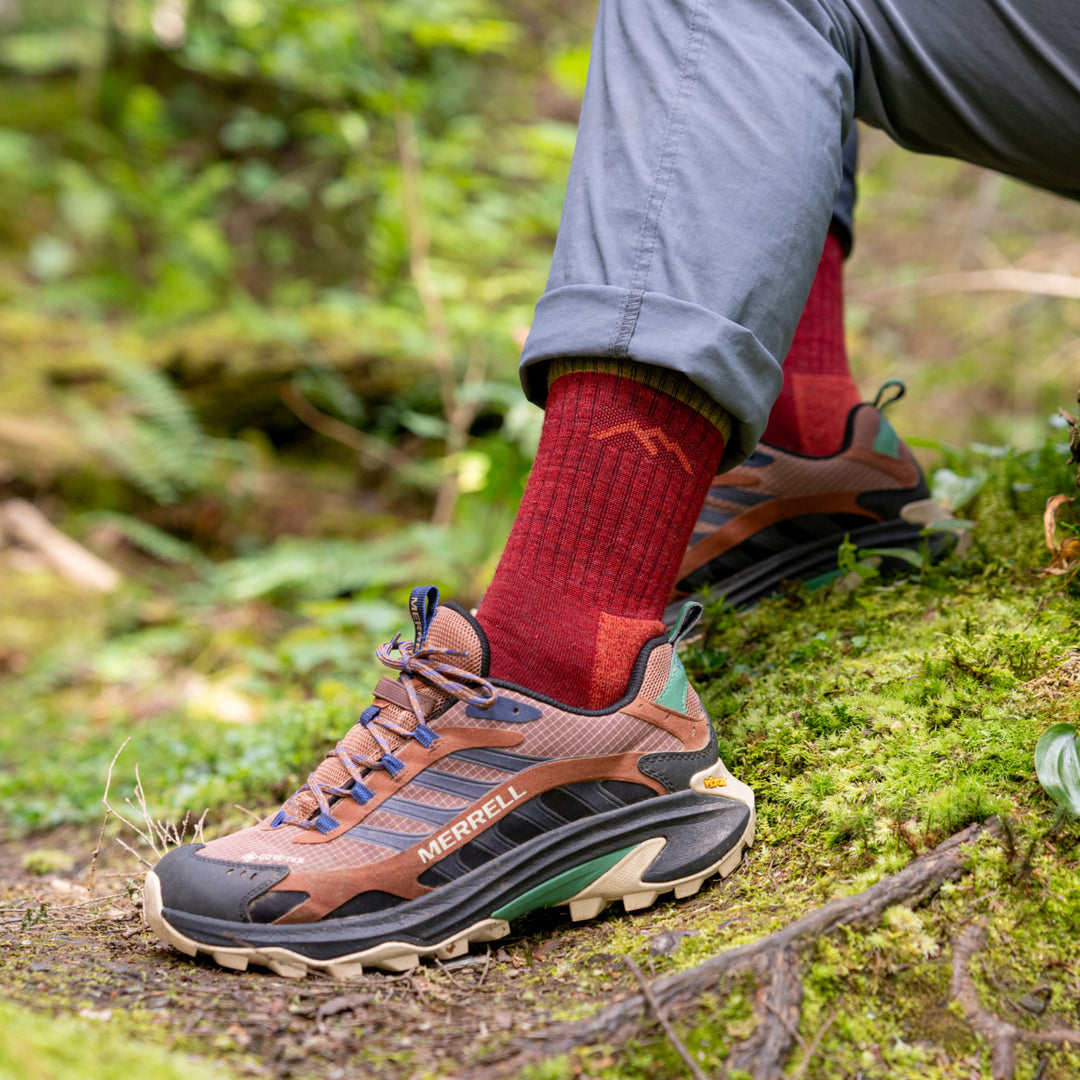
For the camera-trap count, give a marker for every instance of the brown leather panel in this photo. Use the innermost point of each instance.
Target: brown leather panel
(905, 473)
(692, 730)
(391, 690)
(416, 758)
(760, 517)
(740, 476)
(399, 873)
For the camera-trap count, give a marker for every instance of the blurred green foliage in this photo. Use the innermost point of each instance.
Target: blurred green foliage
(171, 160)
(206, 205)
(264, 272)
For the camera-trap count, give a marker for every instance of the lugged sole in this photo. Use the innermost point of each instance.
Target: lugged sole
(624, 881)
(814, 561)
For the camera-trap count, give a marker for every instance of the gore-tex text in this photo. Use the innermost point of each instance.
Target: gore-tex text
(470, 824)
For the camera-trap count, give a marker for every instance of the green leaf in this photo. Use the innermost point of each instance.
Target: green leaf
(947, 525)
(914, 558)
(1057, 766)
(954, 491)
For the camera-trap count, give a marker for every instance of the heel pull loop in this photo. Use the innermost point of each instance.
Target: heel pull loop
(687, 619)
(881, 402)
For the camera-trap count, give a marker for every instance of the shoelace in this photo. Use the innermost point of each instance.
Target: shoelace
(424, 663)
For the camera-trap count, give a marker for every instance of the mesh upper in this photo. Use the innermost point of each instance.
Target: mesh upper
(557, 734)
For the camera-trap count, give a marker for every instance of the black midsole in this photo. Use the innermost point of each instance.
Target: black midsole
(746, 587)
(710, 825)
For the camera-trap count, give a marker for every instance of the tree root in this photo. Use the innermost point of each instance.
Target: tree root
(1002, 1036)
(774, 961)
(777, 1009)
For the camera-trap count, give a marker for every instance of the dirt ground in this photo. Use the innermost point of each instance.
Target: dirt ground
(67, 953)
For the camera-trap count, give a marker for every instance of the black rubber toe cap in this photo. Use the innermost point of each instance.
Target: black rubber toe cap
(213, 887)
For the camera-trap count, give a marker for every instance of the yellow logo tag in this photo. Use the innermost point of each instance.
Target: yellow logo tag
(715, 781)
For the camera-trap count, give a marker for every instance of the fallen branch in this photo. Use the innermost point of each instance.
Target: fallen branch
(1002, 1036)
(24, 525)
(1007, 279)
(773, 959)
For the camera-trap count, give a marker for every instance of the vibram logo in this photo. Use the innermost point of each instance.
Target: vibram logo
(649, 438)
(715, 782)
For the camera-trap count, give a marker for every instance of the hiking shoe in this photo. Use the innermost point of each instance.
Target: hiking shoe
(781, 516)
(458, 803)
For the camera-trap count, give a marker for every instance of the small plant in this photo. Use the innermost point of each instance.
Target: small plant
(1057, 765)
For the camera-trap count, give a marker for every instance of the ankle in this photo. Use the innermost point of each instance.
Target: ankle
(625, 459)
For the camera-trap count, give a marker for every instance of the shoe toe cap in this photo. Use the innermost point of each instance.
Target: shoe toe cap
(215, 888)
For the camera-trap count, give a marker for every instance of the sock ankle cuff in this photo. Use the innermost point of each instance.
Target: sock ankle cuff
(667, 381)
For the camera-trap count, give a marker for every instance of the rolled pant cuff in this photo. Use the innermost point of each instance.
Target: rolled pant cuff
(725, 359)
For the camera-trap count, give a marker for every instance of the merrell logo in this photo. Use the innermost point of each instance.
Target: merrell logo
(267, 856)
(648, 437)
(715, 782)
(470, 824)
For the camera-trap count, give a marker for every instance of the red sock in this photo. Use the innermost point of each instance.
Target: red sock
(810, 415)
(620, 475)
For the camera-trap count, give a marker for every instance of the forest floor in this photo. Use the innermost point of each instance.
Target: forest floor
(874, 718)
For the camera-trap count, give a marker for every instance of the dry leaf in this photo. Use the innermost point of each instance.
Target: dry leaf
(1064, 557)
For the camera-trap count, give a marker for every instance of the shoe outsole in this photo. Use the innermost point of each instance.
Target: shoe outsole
(622, 883)
(813, 560)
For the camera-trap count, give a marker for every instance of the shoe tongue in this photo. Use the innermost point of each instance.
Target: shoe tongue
(443, 627)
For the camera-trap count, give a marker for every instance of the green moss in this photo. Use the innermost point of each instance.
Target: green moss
(47, 1048)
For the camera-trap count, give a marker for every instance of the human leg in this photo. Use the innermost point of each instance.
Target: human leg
(709, 157)
(810, 414)
(550, 609)
(629, 276)
(625, 457)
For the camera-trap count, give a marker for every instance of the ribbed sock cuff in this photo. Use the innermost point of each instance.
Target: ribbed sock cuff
(667, 381)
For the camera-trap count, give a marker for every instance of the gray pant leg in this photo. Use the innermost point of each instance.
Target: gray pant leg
(843, 211)
(995, 82)
(709, 157)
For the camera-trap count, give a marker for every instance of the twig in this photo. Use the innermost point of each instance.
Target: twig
(1007, 279)
(108, 814)
(448, 973)
(663, 1021)
(459, 409)
(1001, 1035)
(236, 806)
(815, 1042)
(131, 851)
(341, 432)
(487, 965)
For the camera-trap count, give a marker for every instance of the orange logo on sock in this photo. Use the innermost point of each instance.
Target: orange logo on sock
(648, 437)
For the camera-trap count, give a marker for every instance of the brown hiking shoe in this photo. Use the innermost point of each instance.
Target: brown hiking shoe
(780, 516)
(458, 803)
